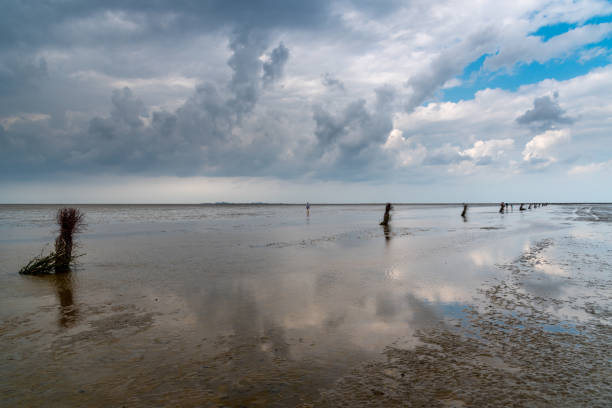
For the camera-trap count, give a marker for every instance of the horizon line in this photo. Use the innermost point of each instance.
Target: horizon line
(321, 203)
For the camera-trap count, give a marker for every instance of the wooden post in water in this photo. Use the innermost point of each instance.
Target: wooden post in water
(387, 216)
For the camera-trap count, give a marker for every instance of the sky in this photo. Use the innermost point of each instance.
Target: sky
(293, 101)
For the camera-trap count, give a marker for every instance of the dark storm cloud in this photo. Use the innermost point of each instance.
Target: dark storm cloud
(183, 142)
(34, 23)
(26, 24)
(214, 131)
(17, 73)
(273, 69)
(332, 82)
(196, 139)
(199, 138)
(545, 114)
(33, 148)
(127, 108)
(120, 138)
(352, 139)
(125, 40)
(247, 46)
(356, 126)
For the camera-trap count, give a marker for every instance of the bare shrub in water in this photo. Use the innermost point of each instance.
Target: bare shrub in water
(71, 221)
(40, 265)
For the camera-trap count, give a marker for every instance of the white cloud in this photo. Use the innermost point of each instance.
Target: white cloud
(488, 148)
(591, 53)
(538, 149)
(491, 115)
(518, 47)
(451, 83)
(462, 168)
(136, 83)
(590, 168)
(9, 121)
(407, 152)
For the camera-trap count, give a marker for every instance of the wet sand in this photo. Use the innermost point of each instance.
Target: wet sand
(263, 306)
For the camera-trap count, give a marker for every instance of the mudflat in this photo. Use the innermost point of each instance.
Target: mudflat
(262, 305)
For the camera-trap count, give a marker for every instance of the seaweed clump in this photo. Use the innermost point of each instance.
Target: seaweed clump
(71, 222)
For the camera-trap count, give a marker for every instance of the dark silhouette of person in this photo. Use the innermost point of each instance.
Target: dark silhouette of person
(522, 208)
(501, 208)
(387, 216)
(529, 208)
(464, 212)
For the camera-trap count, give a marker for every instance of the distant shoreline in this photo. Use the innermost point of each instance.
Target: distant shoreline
(483, 204)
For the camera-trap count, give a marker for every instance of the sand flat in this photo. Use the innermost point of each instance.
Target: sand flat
(263, 306)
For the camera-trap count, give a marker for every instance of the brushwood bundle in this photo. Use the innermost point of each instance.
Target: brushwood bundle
(71, 222)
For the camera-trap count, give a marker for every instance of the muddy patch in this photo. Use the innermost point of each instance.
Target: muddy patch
(122, 323)
(365, 234)
(510, 351)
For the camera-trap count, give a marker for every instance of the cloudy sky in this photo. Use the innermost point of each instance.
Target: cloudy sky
(326, 101)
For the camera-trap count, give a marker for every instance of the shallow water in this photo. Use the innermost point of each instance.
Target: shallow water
(262, 306)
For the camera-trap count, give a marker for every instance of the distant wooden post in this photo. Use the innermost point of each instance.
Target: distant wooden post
(387, 216)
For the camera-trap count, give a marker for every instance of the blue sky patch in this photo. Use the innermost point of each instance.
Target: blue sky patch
(474, 78)
(549, 31)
